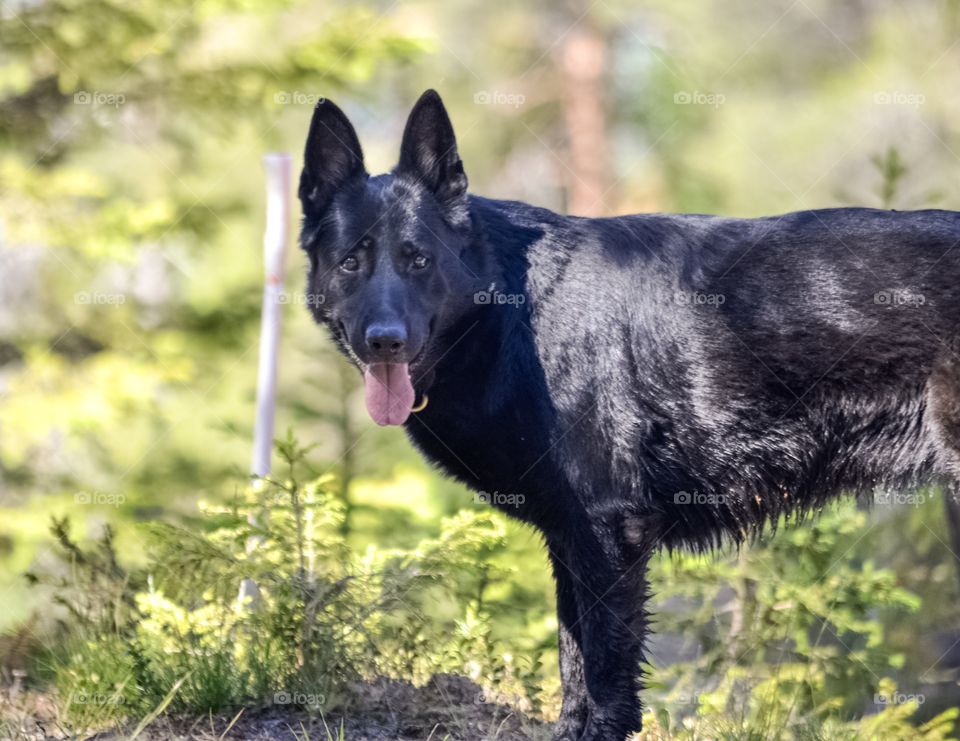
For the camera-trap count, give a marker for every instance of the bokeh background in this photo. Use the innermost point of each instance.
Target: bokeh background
(132, 208)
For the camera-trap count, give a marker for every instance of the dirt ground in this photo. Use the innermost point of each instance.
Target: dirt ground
(447, 707)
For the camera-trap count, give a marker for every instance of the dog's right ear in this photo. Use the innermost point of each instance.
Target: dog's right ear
(331, 159)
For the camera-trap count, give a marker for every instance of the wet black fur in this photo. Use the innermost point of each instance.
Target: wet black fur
(664, 379)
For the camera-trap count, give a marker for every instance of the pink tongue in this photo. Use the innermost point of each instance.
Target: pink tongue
(389, 392)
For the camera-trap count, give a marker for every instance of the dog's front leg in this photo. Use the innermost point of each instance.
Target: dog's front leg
(573, 714)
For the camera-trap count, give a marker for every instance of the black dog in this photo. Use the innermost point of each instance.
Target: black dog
(636, 381)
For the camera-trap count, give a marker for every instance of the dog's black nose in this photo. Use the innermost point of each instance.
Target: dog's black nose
(386, 340)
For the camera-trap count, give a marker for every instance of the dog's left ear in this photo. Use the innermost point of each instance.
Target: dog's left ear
(429, 151)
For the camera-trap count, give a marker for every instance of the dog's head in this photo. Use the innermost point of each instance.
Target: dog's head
(390, 263)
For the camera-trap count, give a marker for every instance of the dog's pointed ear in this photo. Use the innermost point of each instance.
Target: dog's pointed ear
(429, 150)
(331, 158)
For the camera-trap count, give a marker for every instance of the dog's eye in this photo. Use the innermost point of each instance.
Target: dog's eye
(420, 262)
(349, 264)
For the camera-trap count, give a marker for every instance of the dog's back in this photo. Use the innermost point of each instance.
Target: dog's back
(748, 366)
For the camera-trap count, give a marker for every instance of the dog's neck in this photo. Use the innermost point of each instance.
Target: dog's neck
(485, 386)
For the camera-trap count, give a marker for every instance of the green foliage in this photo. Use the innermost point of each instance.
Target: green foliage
(322, 616)
(188, 56)
(786, 637)
(893, 723)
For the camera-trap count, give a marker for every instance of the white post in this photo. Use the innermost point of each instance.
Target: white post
(275, 237)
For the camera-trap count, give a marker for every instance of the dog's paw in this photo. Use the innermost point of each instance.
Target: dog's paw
(569, 728)
(596, 730)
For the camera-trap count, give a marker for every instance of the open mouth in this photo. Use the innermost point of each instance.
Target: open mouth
(388, 389)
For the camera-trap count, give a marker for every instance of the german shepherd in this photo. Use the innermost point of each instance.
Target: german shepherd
(633, 382)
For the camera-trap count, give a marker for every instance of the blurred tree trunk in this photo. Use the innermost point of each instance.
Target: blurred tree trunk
(583, 58)
(743, 607)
